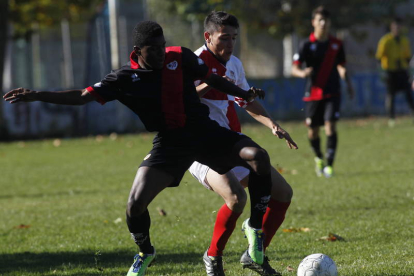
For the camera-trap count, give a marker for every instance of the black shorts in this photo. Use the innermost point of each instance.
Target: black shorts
(212, 145)
(317, 112)
(398, 81)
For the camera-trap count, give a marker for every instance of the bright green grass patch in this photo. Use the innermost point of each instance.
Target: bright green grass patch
(63, 208)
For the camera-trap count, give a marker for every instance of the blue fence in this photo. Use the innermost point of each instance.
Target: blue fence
(283, 101)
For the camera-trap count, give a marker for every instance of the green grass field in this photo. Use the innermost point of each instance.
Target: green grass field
(62, 206)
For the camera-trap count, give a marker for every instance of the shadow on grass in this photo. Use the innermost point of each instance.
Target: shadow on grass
(90, 263)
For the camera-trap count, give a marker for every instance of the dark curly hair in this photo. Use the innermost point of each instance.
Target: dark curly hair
(145, 30)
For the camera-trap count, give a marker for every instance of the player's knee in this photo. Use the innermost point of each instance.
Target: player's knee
(237, 201)
(261, 162)
(283, 194)
(135, 207)
(288, 193)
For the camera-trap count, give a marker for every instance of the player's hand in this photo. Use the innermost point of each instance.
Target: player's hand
(254, 92)
(283, 134)
(307, 71)
(20, 95)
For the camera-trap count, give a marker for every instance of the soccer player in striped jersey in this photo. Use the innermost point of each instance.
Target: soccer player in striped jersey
(220, 32)
(158, 85)
(324, 57)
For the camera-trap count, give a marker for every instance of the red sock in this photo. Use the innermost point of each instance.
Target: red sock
(223, 228)
(273, 218)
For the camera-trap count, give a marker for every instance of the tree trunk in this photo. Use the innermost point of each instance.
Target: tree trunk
(4, 10)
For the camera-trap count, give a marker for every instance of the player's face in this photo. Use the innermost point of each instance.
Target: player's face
(395, 28)
(152, 56)
(321, 24)
(222, 41)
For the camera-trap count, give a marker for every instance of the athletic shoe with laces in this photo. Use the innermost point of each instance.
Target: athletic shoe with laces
(318, 166)
(328, 171)
(264, 269)
(141, 263)
(255, 238)
(214, 265)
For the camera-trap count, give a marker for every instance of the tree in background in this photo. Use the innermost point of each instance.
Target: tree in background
(22, 16)
(281, 17)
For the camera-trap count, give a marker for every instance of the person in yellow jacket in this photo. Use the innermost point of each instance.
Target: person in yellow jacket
(394, 52)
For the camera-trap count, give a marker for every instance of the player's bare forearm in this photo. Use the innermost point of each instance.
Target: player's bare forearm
(202, 89)
(301, 73)
(230, 88)
(260, 114)
(67, 97)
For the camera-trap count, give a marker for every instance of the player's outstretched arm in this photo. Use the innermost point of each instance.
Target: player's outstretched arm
(67, 97)
(260, 114)
(225, 86)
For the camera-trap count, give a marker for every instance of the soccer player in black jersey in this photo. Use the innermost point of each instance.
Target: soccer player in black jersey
(158, 85)
(324, 57)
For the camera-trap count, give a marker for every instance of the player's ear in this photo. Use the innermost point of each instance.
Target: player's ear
(207, 37)
(137, 50)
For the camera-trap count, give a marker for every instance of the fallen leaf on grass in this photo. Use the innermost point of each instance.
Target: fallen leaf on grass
(161, 212)
(286, 171)
(99, 138)
(296, 230)
(57, 143)
(118, 220)
(290, 269)
(22, 226)
(332, 237)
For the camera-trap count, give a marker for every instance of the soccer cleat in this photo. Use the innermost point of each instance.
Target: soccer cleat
(318, 166)
(214, 265)
(264, 269)
(328, 171)
(255, 238)
(141, 263)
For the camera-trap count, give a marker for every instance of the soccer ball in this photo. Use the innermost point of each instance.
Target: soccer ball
(317, 265)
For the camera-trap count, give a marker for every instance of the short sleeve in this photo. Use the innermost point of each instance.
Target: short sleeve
(242, 102)
(194, 66)
(241, 80)
(106, 90)
(341, 59)
(300, 56)
(242, 83)
(381, 48)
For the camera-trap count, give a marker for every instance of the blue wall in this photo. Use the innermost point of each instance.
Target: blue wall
(284, 97)
(283, 101)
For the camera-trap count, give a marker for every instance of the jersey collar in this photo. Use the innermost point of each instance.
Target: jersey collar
(220, 60)
(312, 38)
(133, 58)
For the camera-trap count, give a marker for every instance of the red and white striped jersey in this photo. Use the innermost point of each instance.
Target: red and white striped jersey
(220, 104)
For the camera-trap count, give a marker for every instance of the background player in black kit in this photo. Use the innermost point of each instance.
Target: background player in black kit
(158, 85)
(324, 57)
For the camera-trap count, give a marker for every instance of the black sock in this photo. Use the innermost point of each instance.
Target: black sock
(316, 146)
(331, 148)
(139, 228)
(259, 190)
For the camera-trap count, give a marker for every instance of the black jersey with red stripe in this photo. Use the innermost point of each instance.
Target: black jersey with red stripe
(163, 99)
(323, 57)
